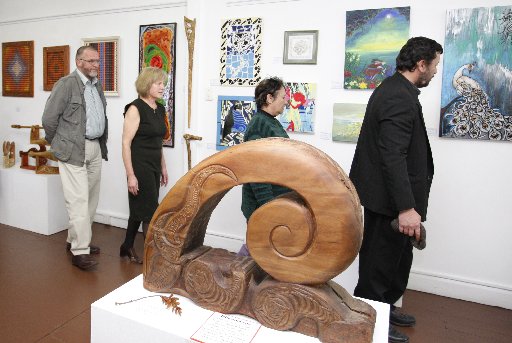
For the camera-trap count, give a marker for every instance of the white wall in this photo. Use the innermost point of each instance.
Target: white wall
(468, 254)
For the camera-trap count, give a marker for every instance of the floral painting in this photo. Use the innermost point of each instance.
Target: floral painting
(476, 101)
(299, 114)
(233, 115)
(346, 122)
(157, 48)
(240, 52)
(373, 39)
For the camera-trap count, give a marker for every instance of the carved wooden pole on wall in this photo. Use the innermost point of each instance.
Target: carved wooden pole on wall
(188, 137)
(298, 242)
(190, 31)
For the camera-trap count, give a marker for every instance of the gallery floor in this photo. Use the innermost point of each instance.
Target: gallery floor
(43, 298)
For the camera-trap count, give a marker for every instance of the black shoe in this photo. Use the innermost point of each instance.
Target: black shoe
(95, 250)
(401, 319)
(130, 253)
(84, 262)
(396, 336)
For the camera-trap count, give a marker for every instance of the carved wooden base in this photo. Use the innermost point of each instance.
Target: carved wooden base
(219, 280)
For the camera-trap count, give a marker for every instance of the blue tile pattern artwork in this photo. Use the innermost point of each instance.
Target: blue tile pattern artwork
(240, 52)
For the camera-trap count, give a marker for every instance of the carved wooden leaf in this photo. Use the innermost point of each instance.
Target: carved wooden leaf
(172, 302)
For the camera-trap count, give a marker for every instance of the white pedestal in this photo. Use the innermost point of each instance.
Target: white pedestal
(148, 320)
(31, 201)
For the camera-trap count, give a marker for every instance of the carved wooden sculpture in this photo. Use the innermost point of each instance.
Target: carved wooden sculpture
(190, 31)
(298, 242)
(41, 156)
(9, 150)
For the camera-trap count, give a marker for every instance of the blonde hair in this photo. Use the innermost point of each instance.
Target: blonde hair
(147, 77)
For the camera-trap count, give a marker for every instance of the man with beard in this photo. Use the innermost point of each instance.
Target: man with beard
(76, 127)
(392, 172)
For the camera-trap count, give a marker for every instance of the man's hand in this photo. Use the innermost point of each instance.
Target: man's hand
(409, 223)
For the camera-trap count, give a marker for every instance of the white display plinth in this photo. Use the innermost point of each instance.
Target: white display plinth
(31, 201)
(148, 320)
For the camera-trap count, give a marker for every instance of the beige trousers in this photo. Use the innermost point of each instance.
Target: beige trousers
(81, 186)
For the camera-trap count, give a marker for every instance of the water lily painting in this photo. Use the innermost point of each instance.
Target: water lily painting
(299, 114)
(373, 39)
(240, 52)
(233, 115)
(476, 101)
(157, 48)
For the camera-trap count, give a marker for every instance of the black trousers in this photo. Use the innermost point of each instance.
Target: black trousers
(385, 260)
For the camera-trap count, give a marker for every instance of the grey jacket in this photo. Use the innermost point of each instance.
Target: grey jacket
(64, 120)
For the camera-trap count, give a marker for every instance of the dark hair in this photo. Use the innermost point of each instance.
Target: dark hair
(415, 50)
(81, 50)
(267, 86)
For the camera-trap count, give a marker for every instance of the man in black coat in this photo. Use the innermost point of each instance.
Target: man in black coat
(392, 171)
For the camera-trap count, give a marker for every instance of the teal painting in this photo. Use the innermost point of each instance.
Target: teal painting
(346, 122)
(476, 100)
(373, 39)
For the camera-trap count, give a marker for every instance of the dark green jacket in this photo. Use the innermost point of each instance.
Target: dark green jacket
(262, 125)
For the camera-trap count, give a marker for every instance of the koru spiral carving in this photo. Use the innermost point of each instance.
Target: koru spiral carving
(298, 242)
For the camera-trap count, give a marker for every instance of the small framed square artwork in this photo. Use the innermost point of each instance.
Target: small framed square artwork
(300, 47)
(55, 65)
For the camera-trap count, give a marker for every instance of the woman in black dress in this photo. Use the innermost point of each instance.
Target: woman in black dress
(143, 132)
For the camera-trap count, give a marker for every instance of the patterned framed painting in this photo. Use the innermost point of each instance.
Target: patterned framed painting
(55, 65)
(346, 121)
(18, 69)
(476, 101)
(373, 39)
(108, 48)
(240, 52)
(233, 115)
(300, 47)
(157, 48)
(299, 114)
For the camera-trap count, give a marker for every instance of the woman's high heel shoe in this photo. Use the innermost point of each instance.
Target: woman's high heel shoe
(130, 253)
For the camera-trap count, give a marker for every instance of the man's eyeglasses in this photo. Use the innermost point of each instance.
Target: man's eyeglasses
(91, 61)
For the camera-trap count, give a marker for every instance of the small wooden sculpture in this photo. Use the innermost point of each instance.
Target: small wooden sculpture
(298, 242)
(190, 31)
(9, 150)
(41, 156)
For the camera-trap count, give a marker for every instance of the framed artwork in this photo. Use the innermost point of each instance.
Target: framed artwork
(299, 114)
(18, 69)
(240, 52)
(157, 48)
(346, 121)
(476, 100)
(55, 65)
(373, 39)
(300, 47)
(233, 115)
(108, 48)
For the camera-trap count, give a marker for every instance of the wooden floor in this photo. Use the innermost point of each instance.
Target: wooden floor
(43, 298)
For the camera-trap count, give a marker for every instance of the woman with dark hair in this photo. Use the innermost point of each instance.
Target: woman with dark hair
(271, 100)
(143, 132)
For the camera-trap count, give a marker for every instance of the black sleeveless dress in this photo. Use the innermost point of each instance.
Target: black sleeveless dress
(146, 149)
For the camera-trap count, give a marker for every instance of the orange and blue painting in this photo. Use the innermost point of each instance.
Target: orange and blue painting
(299, 114)
(373, 39)
(476, 101)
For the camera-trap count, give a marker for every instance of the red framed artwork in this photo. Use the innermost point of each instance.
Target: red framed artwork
(18, 69)
(55, 65)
